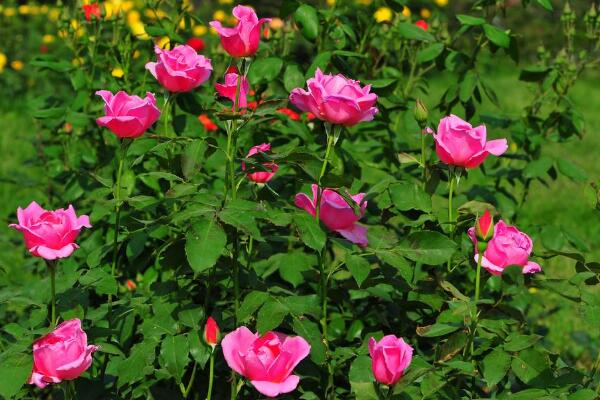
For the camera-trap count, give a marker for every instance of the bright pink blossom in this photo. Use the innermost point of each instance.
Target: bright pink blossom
(261, 176)
(509, 246)
(61, 355)
(336, 99)
(267, 361)
(458, 143)
(390, 357)
(181, 69)
(50, 234)
(336, 213)
(243, 39)
(229, 88)
(128, 116)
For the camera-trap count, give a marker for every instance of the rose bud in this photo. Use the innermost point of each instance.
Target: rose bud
(50, 234)
(196, 43)
(420, 113)
(243, 39)
(131, 286)
(261, 176)
(61, 355)
(211, 333)
(207, 123)
(229, 89)
(484, 226)
(422, 24)
(390, 357)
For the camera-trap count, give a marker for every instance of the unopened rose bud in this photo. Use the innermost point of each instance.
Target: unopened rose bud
(484, 226)
(131, 286)
(211, 332)
(420, 113)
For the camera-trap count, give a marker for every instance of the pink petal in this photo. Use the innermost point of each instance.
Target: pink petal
(356, 234)
(272, 389)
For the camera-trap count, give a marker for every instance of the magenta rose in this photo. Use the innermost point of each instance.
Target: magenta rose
(128, 116)
(336, 213)
(458, 143)
(267, 361)
(261, 176)
(61, 355)
(50, 234)
(180, 69)
(336, 99)
(390, 357)
(229, 89)
(243, 39)
(509, 246)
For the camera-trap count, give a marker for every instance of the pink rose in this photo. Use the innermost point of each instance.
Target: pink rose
(50, 234)
(180, 69)
(61, 355)
(267, 361)
(261, 176)
(128, 116)
(508, 246)
(243, 39)
(336, 99)
(458, 143)
(336, 214)
(389, 358)
(229, 88)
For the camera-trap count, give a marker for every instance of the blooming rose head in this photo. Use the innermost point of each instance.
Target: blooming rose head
(390, 357)
(267, 361)
(336, 213)
(336, 99)
(243, 39)
(50, 234)
(61, 355)
(128, 116)
(507, 247)
(180, 69)
(229, 88)
(458, 143)
(211, 332)
(261, 176)
(91, 10)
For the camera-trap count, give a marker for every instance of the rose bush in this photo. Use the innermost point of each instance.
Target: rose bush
(286, 202)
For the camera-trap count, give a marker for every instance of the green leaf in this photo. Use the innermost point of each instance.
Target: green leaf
(436, 330)
(359, 267)
(467, 86)
(102, 281)
(361, 379)
(291, 265)
(139, 363)
(427, 247)
(192, 158)
(15, 369)
(397, 261)
(309, 330)
(409, 196)
(271, 315)
(546, 4)
(470, 20)
(204, 243)
(497, 36)
(264, 70)
(583, 394)
(495, 366)
(411, 31)
(251, 303)
(430, 52)
(293, 77)
(310, 231)
(307, 19)
(518, 342)
(174, 358)
(571, 170)
(529, 365)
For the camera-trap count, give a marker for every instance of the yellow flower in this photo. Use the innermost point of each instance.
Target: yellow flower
(383, 14)
(533, 290)
(187, 6)
(63, 34)
(24, 9)
(117, 72)
(44, 9)
(213, 31)
(150, 13)
(441, 3)
(331, 3)
(139, 31)
(34, 9)
(406, 11)
(199, 30)
(47, 38)
(163, 42)
(182, 23)
(219, 15)
(54, 14)
(3, 61)
(79, 30)
(136, 54)
(17, 65)
(9, 12)
(133, 16)
(78, 61)
(276, 23)
(425, 13)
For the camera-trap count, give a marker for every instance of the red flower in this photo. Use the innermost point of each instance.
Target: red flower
(207, 123)
(231, 70)
(196, 43)
(422, 24)
(484, 227)
(131, 286)
(90, 10)
(211, 332)
(266, 32)
(294, 116)
(310, 116)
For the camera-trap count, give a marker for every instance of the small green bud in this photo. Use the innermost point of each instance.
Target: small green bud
(420, 113)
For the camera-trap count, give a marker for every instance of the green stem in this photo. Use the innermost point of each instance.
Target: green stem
(471, 343)
(117, 195)
(52, 266)
(450, 210)
(478, 278)
(423, 161)
(330, 144)
(211, 375)
(191, 382)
